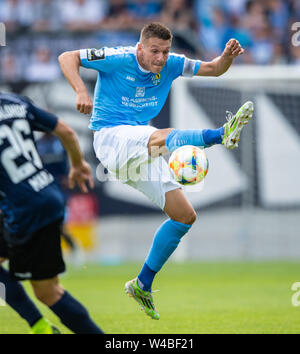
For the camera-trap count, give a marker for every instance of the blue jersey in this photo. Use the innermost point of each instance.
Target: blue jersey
(28, 197)
(54, 156)
(127, 94)
(55, 160)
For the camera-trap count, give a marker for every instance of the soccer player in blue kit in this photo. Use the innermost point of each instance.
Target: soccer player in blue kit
(33, 210)
(133, 84)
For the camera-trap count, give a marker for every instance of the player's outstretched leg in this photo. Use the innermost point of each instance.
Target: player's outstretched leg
(168, 140)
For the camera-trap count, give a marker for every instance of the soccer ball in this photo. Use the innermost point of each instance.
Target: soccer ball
(188, 165)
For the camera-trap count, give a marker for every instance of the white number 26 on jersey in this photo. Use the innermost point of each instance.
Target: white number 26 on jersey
(19, 147)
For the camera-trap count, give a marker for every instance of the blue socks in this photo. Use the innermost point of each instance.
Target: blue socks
(146, 277)
(165, 242)
(202, 138)
(213, 136)
(74, 316)
(17, 299)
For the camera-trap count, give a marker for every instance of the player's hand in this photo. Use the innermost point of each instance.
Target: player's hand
(81, 175)
(83, 103)
(233, 49)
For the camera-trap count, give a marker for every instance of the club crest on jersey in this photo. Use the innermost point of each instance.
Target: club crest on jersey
(95, 54)
(156, 79)
(140, 92)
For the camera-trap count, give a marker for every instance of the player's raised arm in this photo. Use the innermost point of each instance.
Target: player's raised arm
(221, 64)
(70, 63)
(80, 172)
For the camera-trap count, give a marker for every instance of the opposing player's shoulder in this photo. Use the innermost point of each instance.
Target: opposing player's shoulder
(14, 98)
(14, 106)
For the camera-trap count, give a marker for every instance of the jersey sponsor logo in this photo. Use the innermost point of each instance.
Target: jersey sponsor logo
(95, 54)
(156, 79)
(140, 92)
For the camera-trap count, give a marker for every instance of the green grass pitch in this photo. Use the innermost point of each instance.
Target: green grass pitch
(193, 298)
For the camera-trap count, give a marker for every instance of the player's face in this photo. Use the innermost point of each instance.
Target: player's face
(154, 53)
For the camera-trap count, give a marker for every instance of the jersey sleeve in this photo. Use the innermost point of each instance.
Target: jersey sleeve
(180, 65)
(104, 59)
(41, 120)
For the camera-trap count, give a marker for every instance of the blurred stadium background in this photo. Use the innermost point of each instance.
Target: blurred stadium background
(249, 209)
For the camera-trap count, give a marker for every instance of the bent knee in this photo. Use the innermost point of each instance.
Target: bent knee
(156, 143)
(191, 217)
(188, 218)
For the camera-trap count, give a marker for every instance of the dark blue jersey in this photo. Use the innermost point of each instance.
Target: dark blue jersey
(29, 198)
(54, 156)
(55, 160)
